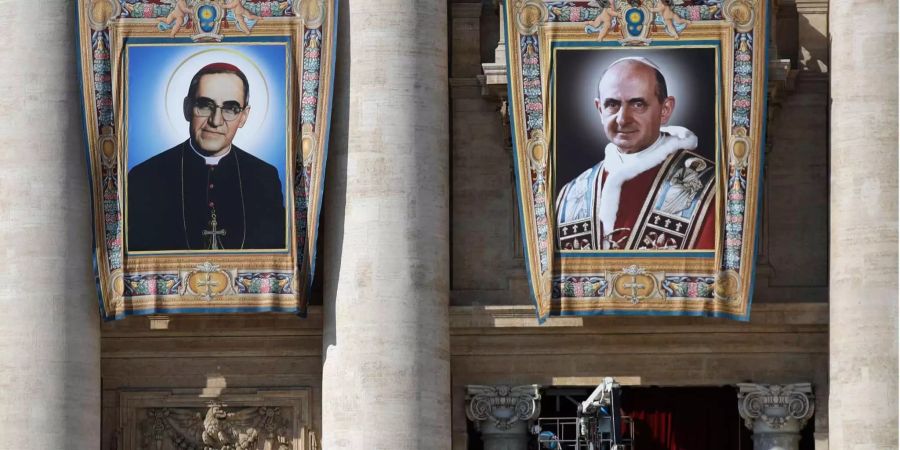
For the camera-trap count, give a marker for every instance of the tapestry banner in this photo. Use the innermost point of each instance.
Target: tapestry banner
(638, 127)
(206, 124)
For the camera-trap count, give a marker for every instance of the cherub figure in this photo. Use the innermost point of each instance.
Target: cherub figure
(241, 15)
(669, 18)
(178, 17)
(603, 23)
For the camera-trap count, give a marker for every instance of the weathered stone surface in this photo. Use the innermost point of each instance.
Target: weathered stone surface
(49, 334)
(863, 292)
(211, 354)
(386, 277)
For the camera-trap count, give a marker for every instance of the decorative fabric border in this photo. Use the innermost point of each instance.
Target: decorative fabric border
(217, 280)
(714, 282)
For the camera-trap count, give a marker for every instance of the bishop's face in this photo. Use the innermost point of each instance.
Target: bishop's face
(218, 112)
(629, 108)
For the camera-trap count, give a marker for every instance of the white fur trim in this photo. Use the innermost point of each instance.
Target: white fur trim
(621, 167)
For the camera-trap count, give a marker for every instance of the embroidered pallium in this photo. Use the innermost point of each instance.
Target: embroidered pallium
(206, 174)
(637, 128)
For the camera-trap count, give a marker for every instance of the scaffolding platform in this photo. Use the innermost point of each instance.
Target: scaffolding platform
(561, 433)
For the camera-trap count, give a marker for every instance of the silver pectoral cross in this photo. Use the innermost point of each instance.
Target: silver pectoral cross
(214, 235)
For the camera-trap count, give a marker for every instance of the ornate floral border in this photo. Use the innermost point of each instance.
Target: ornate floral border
(718, 284)
(212, 283)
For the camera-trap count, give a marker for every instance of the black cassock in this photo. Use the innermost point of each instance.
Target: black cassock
(172, 196)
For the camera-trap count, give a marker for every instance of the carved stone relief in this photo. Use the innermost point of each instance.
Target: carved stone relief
(236, 420)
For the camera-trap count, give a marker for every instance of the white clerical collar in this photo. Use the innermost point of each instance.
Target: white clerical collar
(210, 160)
(622, 167)
(629, 165)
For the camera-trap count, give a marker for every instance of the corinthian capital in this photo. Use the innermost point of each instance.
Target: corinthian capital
(773, 407)
(501, 406)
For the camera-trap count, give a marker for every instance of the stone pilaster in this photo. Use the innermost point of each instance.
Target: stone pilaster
(501, 414)
(775, 413)
(494, 79)
(49, 331)
(862, 406)
(386, 372)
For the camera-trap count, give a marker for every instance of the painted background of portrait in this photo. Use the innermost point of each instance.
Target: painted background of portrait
(580, 141)
(155, 119)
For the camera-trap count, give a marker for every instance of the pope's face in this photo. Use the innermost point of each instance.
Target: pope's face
(218, 91)
(629, 108)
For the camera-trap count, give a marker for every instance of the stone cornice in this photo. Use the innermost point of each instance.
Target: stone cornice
(812, 6)
(769, 315)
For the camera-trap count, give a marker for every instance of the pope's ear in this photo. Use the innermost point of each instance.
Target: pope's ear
(668, 107)
(187, 108)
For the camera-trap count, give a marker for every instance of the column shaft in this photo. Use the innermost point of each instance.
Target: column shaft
(863, 287)
(776, 441)
(386, 374)
(49, 334)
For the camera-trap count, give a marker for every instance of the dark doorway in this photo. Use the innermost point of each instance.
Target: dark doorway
(690, 418)
(673, 418)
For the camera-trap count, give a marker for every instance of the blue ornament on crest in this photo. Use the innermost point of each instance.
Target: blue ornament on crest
(634, 21)
(635, 25)
(207, 16)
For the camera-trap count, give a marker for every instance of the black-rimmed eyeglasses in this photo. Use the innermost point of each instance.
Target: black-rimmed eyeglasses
(205, 107)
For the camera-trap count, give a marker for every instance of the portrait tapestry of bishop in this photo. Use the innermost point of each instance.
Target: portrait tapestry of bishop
(206, 193)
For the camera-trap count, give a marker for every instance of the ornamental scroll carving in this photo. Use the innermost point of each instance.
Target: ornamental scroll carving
(742, 13)
(216, 428)
(778, 407)
(502, 406)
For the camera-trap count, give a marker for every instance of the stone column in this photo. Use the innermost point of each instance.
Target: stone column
(386, 373)
(775, 413)
(501, 413)
(49, 331)
(863, 339)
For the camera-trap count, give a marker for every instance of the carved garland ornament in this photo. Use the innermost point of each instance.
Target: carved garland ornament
(502, 405)
(216, 429)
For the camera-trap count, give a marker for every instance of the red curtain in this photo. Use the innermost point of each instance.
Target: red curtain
(685, 418)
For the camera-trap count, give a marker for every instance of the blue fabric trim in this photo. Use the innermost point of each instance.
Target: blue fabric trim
(613, 312)
(225, 40)
(148, 312)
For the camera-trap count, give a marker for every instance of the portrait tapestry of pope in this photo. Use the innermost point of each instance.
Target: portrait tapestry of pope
(654, 188)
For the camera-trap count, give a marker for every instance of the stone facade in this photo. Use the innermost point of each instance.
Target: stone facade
(494, 338)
